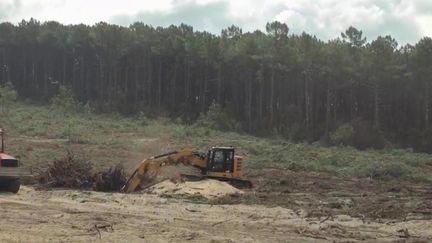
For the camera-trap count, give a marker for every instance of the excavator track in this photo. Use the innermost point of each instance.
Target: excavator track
(237, 183)
(191, 173)
(241, 184)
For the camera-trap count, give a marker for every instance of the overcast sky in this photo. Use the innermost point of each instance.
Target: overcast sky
(406, 20)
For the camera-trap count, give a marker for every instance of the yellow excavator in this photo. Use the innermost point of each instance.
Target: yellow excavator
(218, 163)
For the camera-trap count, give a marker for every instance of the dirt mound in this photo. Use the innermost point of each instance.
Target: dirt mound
(175, 173)
(210, 189)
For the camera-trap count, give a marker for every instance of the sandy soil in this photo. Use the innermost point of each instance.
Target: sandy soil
(210, 189)
(80, 216)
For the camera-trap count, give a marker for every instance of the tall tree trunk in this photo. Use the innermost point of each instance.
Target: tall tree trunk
(109, 82)
(159, 85)
(188, 81)
(73, 73)
(126, 83)
(82, 79)
(352, 104)
(3, 67)
(136, 83)
(328, 112)
(307, 101)
(149, 86)
(24, 79)
(219, 86)
(64, 68)
(376, 107)
(33, 73)
(426, 114)
(204, 89)
(45, 78)
(101, 87)
(115, 86)
(260, 78)
(271, 105)
(173, 85)
(88, 85)
(249, 103)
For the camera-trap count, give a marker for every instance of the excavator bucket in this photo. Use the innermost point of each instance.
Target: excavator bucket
(158, 168)
(144, 176)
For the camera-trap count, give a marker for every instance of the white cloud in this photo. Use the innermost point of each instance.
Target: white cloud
(292, 18)
(406, 20)
(78, 11)
(425, 23)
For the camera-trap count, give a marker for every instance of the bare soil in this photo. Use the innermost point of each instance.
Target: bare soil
(284, 206)
(322, 195)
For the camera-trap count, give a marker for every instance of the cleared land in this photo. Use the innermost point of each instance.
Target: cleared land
(302, 192)
(82, 216)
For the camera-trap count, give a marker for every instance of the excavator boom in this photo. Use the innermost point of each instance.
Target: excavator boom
(149, 168)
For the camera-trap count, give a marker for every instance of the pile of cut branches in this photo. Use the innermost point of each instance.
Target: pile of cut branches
(71, 171)
(68, 171)
(111, 180)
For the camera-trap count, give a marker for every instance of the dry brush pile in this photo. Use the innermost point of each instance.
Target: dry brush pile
(71, 171)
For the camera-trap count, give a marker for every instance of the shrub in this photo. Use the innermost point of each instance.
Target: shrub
(142, 119)
(297, 132)
(366, 136)
(343, 135)
(8, 96)
(87, 108)
(71, 131)
(216, 118)
(64, 100)
(387, 171)
(421, 140)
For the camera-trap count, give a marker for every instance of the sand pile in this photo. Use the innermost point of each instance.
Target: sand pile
(206, 188)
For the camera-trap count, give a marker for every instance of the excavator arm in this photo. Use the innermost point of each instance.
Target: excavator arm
(149, 168)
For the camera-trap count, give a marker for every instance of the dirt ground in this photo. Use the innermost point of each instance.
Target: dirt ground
(295, 207)
(325, 195)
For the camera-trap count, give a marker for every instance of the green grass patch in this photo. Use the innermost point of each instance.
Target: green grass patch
(111, 137)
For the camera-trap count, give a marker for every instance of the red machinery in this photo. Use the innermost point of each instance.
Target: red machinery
(10, 170)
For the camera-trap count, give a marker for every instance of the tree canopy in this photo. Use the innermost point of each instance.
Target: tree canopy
(295, 86)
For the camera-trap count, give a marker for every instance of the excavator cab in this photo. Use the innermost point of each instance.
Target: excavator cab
(221, 159)
(223, 165)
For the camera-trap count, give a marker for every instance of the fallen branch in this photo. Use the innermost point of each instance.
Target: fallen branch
(327, 218)
(97, 227)
(220, 222)
(191, 210)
